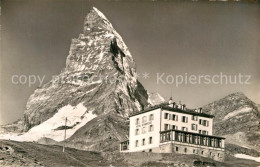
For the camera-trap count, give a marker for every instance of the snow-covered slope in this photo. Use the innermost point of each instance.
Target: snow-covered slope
(53, 128)
(244, 156)
(238, 112)
(155, 98)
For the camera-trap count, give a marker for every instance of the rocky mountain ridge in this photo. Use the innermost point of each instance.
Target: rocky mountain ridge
(238, 119)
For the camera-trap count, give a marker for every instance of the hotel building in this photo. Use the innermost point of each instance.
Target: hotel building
(172, 128)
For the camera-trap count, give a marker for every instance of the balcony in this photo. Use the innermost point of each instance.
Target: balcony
(190, 138)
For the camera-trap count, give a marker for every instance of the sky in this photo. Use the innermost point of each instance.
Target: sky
(170, 37)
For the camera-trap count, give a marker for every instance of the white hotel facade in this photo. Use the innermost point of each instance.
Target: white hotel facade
(173, 128)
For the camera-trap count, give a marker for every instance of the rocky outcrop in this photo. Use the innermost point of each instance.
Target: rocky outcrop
(238, 119)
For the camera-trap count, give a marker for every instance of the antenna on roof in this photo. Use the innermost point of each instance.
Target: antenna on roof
(171, 92)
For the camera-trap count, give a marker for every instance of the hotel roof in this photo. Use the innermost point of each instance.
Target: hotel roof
(164, 106)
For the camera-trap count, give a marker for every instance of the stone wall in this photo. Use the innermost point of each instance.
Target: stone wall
(213, 153)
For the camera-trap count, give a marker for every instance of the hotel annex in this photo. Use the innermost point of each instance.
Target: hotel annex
(172, 128)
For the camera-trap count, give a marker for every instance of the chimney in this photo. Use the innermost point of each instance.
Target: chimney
(183, 107)
(200, 110)
(179, 105)
(173, 105)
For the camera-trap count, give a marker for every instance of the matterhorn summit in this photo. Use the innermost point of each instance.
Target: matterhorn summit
(96, 92)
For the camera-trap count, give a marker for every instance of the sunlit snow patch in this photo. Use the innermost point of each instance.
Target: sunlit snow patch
(244, 156)
(237, 112)
(77, 117)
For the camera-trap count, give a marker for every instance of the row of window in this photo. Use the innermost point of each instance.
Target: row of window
(150, 141)
(169, 127)
(185, 119)
(193, 127)
(150, 150)
(192, 139)
(195, 151)
(150, 129)
(171, 116)
(175, 117)
(204, 132)
(204, 122)
(144, 119)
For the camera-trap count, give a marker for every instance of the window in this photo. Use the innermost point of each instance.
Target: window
(166, 115)
(194, 118)
(204, 122)
(220, 143)
(198, 139)
(202, 152)
(194, 151)
(144, 119)
(207, 141)
(150, 140)
(137, 132)
(174, 117)
(199, 131)
(174, 127)
(204, 132)
(194, 127)
(151, 117)
(136, 143)
(184, 129)
(218, 154)
(185, 149)
(181, 137)
(143, 142)
(177, 148)
(185, 138)
(210, 153)
(211, 142)
(143, 130)
(184, 119)
(150, 150)
(137, 121)
(204, 141)
(166, 127)
(194, 140)
(150, 128)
